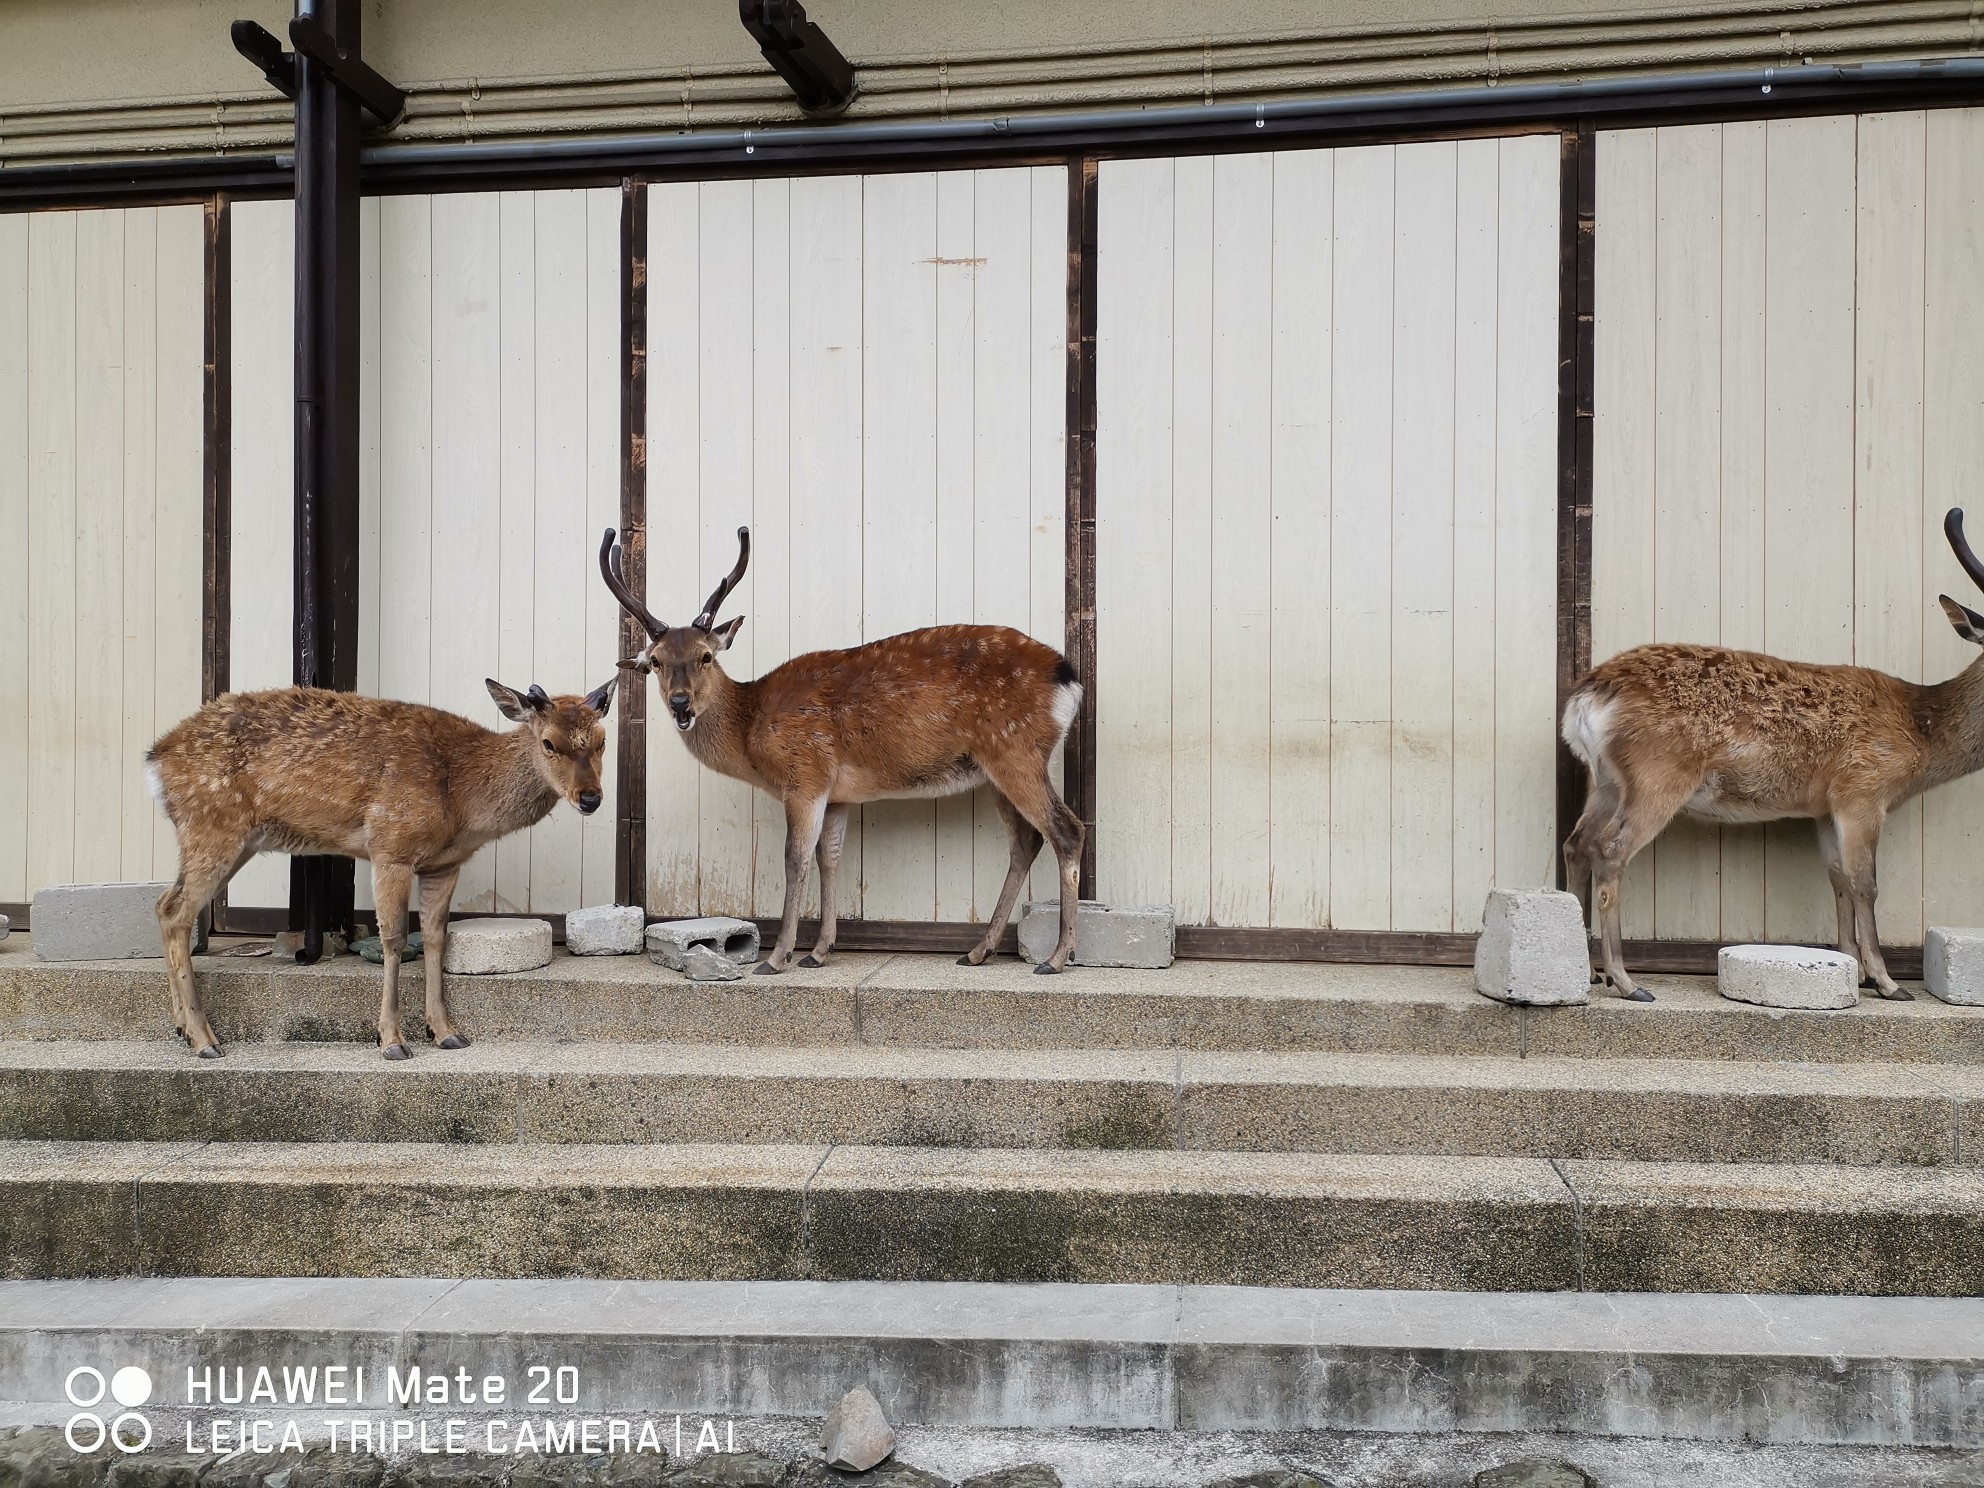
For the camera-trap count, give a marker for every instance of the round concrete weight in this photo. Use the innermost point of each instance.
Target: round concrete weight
(1788, 976)
(484, 947)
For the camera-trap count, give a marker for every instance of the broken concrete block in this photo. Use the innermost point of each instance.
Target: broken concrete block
(5, 927)
(485, 947)
(1952, 965)
(1787, 976)
(668, 941)
(1103, 936)
(97, 922)
(606, 930)
(1532, 949)
(701, 964)
(855, 1435)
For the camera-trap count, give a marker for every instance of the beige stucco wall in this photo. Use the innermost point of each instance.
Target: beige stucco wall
(105, 78)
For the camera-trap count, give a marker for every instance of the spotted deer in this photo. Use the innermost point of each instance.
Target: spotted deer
(411, 788)
(1735, 736)
(926, 713)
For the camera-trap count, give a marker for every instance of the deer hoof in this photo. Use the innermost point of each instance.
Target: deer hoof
(398, 1051)
(811, 963)
(1638, 994)
(212, 1051)
(455, 1041)
(765, 968)
(1899, 994)
(965, 960)
(1044, 969)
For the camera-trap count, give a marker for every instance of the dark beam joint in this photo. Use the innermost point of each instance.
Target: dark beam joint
(375, 95)
(798, 50)
(260, 46)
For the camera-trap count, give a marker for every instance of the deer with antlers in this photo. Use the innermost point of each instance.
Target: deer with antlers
(926, 713)
(1738, 737)
(413, 789)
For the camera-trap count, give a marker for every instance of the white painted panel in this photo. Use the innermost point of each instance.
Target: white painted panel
(138, 555)
(55, 384)
(99, 527)
(179, 472)
(16, 378)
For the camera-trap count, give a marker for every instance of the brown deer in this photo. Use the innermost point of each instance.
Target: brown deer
(1738, 737)
(926, 713)
(413, 789)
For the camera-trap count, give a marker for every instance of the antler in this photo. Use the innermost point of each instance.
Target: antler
(609, 569)
(1953, 530)
(708, 617)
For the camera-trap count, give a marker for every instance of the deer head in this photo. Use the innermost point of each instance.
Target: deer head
(684, 657)
(569, 743)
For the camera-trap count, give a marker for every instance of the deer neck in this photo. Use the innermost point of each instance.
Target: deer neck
(722, 725)
(1955, 724)
(499, 785)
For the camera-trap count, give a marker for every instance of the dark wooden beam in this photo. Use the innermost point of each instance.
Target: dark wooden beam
(1079, 759)
(630, 838)
(1576, 241)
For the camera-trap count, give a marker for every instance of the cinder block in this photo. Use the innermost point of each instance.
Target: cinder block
(1953, 965)
(668, 941)
(1788, 976)
(485, 947)
(605, 930)
(97, 922)
(1532, 949)
(1103, 936)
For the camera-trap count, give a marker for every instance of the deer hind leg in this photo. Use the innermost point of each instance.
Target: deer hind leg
(804, 818)
(1033, 795)
(1024, 842)
(201, 874)
(437, 893)
(833, 837)
(391, 884)
(1649, 805)
(1859, 843)
(1603, 815)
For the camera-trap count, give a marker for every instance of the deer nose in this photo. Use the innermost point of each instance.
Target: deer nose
(588, 802)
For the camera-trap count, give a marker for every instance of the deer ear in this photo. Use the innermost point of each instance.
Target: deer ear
(1965, 622)
(600, 699)
(508, 703)
(725, 633)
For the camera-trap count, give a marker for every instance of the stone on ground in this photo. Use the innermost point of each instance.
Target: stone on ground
(1952, 965)
(373, 950)
(1275, 1477)
(485, 947)
(1022, 1475)
(1782, 976)
(1534, 1472)
(725, 1470)
(855, 1436)
(668, 941)
(97, 922)
(5, 927)
(605, 930)
(1103, 936)
(155, 1469)
(1532, 949)
(701, 964)
(813, 1473)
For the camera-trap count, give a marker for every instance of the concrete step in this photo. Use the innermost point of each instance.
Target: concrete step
(717, 1212)
(930, 1002)
(1490, 1106)
(1041, 1357)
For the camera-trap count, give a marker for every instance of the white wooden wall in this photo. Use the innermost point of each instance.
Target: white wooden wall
(870, 372)
(1325, 571)
(1790, 393)
(490, 465)
(101, 380)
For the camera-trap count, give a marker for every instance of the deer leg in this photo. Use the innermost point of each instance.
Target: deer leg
(1024, 842)
(1649, 806)
(391, 884)
(804, 819)
(1602, 816)
(1828, 832)
(833, 836)
(437, 893)
(1033, 795)
(200, 877)
(1860, 843)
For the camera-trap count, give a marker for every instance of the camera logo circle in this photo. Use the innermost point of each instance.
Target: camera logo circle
(86, 1387)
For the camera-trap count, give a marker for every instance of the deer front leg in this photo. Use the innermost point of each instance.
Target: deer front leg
(833, 836)
(437, 893)
(1860, 841)
(391, 884)
(1830, 837)
(803, 820)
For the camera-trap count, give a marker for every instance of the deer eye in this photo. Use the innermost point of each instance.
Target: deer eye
(707, 659)
(548, 749)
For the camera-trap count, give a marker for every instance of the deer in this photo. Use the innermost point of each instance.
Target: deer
(931, 712)
(1737, 736)
(410, 788)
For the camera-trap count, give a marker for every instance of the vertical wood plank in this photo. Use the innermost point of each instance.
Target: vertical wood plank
(955, 528)
(516, 497)
(54, 385)
(138, 632)
(771, 497)
(1476, 281)
(1424, 251)
(1242, 416)
(1048, 434)
(406, 457)
(1361, 542)
(1136, 206)
(17, 373)
(99, 528)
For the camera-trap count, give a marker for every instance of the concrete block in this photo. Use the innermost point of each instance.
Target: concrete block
(668, 941)
(606, 930)
(5, 927)
(484, 947)
(856, 1435)
(97, 922)
(701, 964)
(1952, 965)
(1532, 949)
(1787, 976)
(1103, 936)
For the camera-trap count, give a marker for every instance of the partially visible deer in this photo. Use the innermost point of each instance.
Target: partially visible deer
(413, 789)
(926, 713)
(1738, 737)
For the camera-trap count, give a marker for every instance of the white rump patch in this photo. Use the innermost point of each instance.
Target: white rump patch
(1587, 726)
(155, 783)
(1067, 700)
